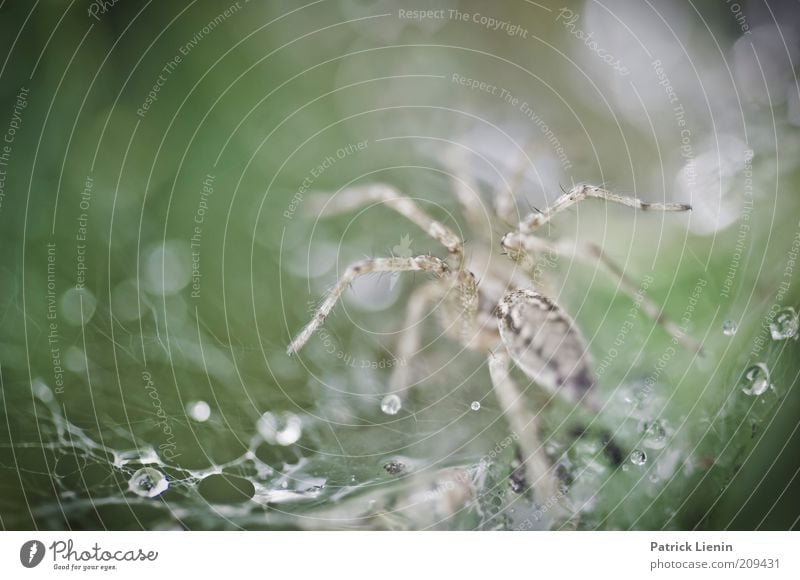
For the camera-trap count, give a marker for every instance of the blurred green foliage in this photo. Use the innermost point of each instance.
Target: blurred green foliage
(254, 105)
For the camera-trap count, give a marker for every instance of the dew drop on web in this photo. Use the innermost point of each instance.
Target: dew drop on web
(729, 328)
(148, 482)
(638, 457)
(198, 411)
(284, 429)
(391, 404)
(755, 380)
(785, 324)
(655, 434)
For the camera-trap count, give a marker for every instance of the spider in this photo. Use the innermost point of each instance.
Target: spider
(503, 314)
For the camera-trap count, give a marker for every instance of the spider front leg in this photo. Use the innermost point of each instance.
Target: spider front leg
(582, 192)
(355, 197)
(419, 263)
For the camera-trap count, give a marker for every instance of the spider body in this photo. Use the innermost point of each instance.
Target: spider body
(492, 306)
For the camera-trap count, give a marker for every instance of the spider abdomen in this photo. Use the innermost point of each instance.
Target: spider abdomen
(544, 342)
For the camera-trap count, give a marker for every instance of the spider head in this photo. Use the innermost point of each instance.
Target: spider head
(511, 245)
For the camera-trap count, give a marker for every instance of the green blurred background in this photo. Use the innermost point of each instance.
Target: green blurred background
(156, 154)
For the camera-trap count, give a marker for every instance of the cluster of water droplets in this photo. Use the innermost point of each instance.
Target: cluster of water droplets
(278, 466)
(785, 325)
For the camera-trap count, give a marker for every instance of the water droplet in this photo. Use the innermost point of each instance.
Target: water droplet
(282, 430)
(167, 268)
(199, 411)
(729, 328)
(638, 457)
(475, 406)
(655, 434)
(394, 467)
(78, 306)
(755, 380)
(785, 324)
(391, 404)
(148, 482)
(75, 359)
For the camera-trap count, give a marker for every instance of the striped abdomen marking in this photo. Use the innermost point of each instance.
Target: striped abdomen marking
(544, 342)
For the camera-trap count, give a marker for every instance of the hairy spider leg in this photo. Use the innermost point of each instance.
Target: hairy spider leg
(581, 192)
(429, 264)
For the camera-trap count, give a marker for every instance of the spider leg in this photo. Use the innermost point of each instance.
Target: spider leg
(464, 186)
(360, 268)
(355, 197)
(582, 192)
(408, 345)
(518, 245)
(505, 200)
(537, 469)
(651, 309)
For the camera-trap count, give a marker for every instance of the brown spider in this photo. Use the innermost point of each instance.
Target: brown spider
(502, 314)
